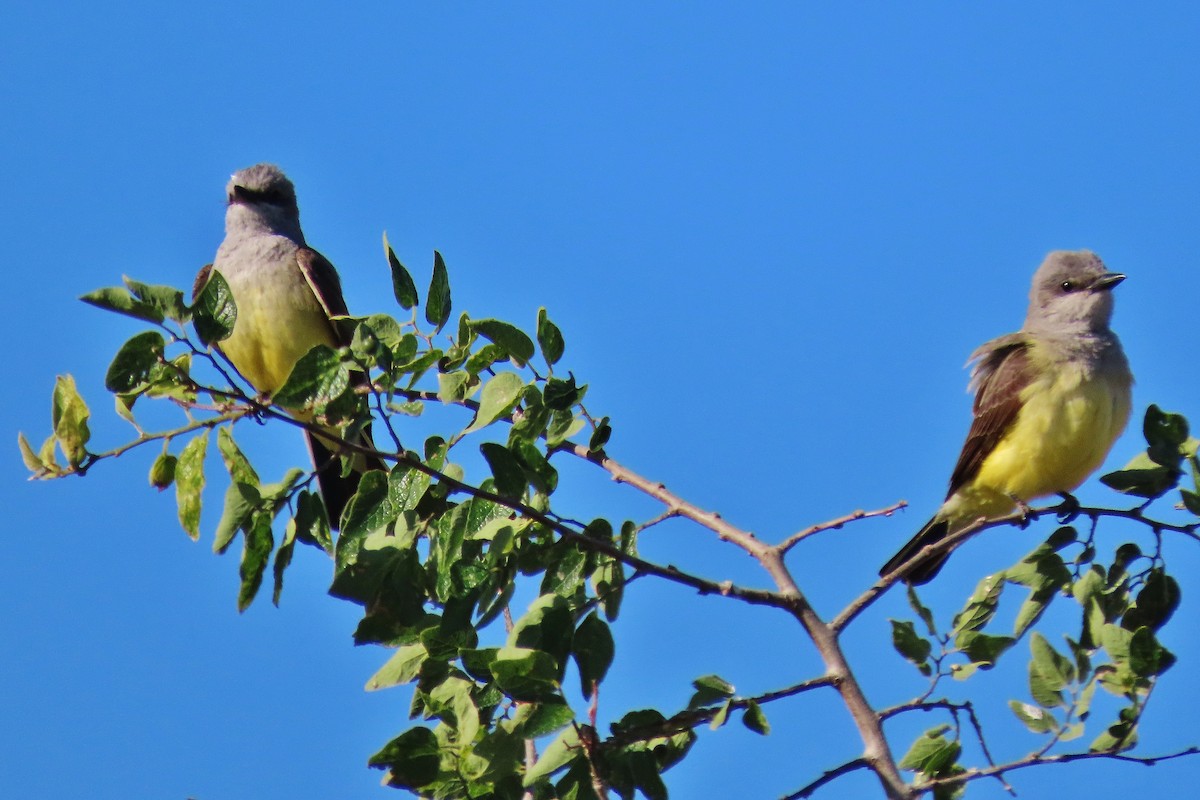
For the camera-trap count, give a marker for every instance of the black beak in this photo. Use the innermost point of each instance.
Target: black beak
(241, 194)
(1107, 281)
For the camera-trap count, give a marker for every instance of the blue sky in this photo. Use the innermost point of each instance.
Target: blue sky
(771, 237)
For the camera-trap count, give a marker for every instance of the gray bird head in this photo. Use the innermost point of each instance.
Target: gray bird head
(262, 200)
(1072, 293)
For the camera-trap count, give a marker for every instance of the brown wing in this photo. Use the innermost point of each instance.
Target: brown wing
(323, 280)
(1001, 372)
(336, 489)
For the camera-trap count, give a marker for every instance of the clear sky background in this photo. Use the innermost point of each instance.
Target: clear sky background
(771, 237)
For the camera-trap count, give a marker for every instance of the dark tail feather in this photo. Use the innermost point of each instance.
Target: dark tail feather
(927, 568)
(336, 489)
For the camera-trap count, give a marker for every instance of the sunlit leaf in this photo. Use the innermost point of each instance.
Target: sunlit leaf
(402, 283)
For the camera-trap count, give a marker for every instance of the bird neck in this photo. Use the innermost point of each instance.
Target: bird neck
(241, 220)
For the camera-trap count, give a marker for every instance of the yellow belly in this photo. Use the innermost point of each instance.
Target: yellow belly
(1067, 424)
(279, 320)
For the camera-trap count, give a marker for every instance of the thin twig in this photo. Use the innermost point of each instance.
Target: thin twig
(670, 513)
(145, 438)
(1019, 517)
(827, 776)
(1035, 760)
(833, 524)
(966, 706)
(686, 720)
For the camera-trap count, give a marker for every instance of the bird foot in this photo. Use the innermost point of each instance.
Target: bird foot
(1024, 510)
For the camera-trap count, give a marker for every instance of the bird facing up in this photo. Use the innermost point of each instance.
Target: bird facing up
(1050, 401)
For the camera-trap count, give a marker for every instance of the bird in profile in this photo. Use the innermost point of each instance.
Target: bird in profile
(1050, 401)
(286, 295)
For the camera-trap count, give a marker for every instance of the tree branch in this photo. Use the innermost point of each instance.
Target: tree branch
(863, 601)
(1035, 760)
(827, 776)
(876, 751)
(690, 718)
(965, 706)
(833, 524)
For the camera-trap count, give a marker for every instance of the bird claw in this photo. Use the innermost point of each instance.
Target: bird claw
(1024, 510)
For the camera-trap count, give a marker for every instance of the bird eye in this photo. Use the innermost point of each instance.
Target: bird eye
(1067, 286)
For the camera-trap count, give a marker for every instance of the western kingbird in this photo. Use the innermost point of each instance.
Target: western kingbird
(285, 293)
(1050, 400)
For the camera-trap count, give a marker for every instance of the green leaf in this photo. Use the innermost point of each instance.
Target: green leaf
(451, 701)
(1116, 642)
(721, 716)
(1165, 434)
(455, 386)
(403, 667)
(1148, 658)
(70, 418)
(592, 649)
(564, 749)
(506, 470)
(240, 501)
(412, 759)
(755, 719)
(379, 502)
(236, 463)
(1049, 673)
(534, 720)
(130, 368)
(1036, 719)
(561, 395)
(317, 378)
(960, 672)
(312, 524)
(166, 300)
(600, 436)
(162, 471)
(563, 425)
(525, 674)
(189, 483)
(548, 626)
(256, 551)
(566, 571)
(437, 305)
(982, 649)
(914, 602)
(910, 645)
(981, 606)
(214, 313)
(643, 767)
(512, 339)
(32, 462)
(499, 397)
(1191, 501)
(115, 298)
(537, 468)
(1155, 604)
(1142, 477)
(1031, 610)
(483, 358)
(1116, 739)
(549, 338)
(402, 283)
(710, 689)
(931, 753)
(283, 559)
(608, 579)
